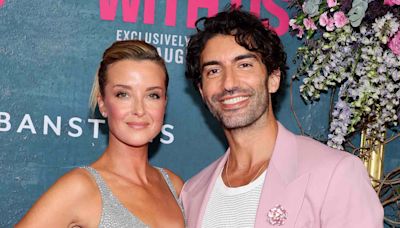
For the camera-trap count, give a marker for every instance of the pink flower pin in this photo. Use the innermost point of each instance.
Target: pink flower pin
(277, 215)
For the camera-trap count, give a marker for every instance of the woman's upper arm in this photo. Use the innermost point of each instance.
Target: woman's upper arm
(62, 204)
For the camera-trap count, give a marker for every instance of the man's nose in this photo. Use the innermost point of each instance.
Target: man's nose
(229, 79)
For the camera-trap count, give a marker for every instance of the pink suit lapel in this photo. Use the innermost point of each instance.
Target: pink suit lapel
(203, 197)
(282, 186)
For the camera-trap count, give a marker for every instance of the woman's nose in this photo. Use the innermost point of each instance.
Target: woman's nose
(138, 107)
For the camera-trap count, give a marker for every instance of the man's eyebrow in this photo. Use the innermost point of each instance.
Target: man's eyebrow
(237, 58)
(245, 56)
(213, 62)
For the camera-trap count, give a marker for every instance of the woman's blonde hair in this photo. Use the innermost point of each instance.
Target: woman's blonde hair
(123, 50)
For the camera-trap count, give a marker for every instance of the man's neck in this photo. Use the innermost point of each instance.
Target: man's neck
(254, 144)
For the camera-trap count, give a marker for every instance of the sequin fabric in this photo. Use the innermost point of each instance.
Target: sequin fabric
(114, 214)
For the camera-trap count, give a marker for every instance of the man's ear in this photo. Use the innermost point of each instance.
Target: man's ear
(274, 80)
(199, 87)
(102, 108)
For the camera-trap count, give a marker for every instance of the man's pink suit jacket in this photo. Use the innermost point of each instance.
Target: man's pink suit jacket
(317, 186)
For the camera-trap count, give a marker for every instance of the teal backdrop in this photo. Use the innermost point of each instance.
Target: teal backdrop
(49, 53)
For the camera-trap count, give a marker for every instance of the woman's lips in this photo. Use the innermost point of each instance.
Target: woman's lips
(138, 125)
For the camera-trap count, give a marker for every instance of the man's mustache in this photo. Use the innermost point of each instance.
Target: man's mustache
(230, 92)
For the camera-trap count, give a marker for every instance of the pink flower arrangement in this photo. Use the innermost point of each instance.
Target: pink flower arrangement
(332, 3)
(394, 44)
(323, 19)
(301, 32)
(351, 50)
(340, 19)
(331, 25)
(327, 22)
(314, 16)
(391, 2)
(309, 24)
(294, 26)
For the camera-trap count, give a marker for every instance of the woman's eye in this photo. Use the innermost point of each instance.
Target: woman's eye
(154, 96)
(121, 95)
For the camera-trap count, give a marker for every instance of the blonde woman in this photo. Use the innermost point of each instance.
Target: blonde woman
(121, 188)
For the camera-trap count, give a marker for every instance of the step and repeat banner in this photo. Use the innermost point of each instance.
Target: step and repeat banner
(49, 53)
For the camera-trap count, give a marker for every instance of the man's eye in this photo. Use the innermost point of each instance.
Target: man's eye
(244, 65)
(121, 95)
(212, 71)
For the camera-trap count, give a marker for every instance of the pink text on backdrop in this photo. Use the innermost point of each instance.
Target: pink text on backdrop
(130, 10)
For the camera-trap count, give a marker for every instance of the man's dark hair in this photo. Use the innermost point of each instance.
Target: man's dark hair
(249, 32)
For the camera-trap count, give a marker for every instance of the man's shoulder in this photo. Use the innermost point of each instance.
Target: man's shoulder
(308, 149)
(316, 155)
(308, 145)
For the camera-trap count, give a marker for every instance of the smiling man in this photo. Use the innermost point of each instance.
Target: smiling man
(268, 177)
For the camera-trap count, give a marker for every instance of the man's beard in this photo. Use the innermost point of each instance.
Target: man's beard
(248, 115)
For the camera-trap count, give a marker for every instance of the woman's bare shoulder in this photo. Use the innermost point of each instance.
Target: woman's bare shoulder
(78, 183)
(66, 201)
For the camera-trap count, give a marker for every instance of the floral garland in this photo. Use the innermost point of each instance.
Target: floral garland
(352, 46)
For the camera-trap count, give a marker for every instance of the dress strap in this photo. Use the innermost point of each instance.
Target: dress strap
(171, 187)
(101, 184)
(114, 214)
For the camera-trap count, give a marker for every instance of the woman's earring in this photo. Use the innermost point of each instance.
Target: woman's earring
(104, 114)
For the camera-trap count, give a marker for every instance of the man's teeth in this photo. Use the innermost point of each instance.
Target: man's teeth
(234, 100)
